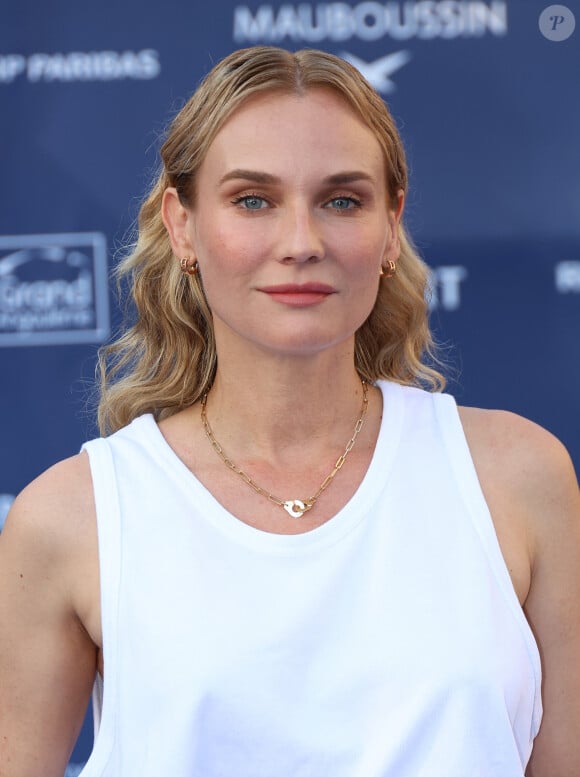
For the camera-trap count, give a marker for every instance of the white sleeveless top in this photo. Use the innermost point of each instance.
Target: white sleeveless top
(388, 642)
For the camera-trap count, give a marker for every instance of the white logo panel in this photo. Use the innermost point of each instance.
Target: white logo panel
(53, 289)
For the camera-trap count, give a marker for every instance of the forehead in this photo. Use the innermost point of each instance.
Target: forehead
(317, 131)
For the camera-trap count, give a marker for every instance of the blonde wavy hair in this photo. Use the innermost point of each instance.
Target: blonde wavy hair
(166, 360)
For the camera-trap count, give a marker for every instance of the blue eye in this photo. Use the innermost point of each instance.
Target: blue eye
(344, 203)
(251, 202)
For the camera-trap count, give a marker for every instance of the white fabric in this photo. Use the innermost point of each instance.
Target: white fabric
(388, 642)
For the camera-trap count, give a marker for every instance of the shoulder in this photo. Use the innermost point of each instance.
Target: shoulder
(526, 453)
(502, 425)
(65, 486)
(51, 516)
(529, 468)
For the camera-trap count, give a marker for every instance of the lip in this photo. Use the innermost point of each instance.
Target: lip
(298, 288)
(298, 295)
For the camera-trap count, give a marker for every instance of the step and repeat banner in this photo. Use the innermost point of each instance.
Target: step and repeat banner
(486, 98)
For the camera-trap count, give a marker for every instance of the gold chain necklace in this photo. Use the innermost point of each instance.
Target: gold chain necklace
(294, 507)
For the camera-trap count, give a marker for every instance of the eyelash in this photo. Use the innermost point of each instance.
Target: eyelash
(354, 200)
(242, 197)
(349, 198)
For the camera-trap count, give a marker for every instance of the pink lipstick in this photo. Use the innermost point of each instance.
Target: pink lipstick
(298, 294)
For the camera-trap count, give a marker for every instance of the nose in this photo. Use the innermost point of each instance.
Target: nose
(301, 238)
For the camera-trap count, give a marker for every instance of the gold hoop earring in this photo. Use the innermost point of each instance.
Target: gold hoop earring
(389, 270)
(189, 265)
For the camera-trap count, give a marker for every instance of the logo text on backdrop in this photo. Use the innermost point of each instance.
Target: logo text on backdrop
(369, 21)
(80, 66)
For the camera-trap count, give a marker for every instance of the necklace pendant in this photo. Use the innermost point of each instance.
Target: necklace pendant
(296, 507)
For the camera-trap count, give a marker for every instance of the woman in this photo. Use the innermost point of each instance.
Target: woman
(288, 557)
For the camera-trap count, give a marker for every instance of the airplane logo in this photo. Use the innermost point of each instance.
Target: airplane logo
(378, 73)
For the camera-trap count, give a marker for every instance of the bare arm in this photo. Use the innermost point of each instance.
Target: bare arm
(531, 488)
(553, 610)
(47, 584)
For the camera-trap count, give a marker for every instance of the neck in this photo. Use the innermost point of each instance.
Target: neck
(308, 403)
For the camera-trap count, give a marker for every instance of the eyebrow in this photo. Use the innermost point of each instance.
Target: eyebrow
(255, 176)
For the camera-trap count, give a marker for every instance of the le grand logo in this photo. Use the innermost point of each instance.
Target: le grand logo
(53, 289)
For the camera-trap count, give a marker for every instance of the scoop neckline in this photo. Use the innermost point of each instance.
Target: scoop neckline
(332, 530)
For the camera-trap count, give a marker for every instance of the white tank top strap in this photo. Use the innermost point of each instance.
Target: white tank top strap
(104, 702)
(459, 454)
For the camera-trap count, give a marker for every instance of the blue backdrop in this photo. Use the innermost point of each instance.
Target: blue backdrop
(485, 95)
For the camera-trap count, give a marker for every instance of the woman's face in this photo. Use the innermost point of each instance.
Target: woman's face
(291, 224)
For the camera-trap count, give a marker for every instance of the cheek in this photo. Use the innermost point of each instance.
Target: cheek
(365, 257)
(213, 242)
(228, 248)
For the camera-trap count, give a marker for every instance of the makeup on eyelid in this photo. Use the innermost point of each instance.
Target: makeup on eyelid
(349, 199)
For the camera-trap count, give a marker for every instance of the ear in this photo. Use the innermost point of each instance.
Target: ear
(394, 216)
(178, 223)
